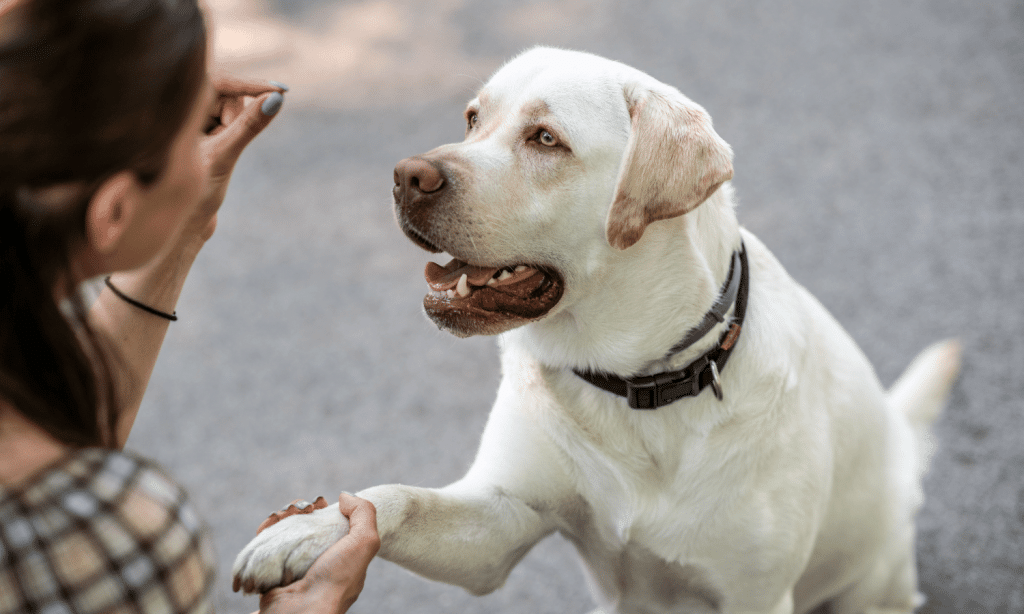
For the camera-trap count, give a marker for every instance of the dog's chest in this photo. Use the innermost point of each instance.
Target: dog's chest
(644, 533)
(658, 479)
(661, 501)
(663, 497)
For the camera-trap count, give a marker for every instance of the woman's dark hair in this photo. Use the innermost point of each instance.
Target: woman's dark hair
(88, 88)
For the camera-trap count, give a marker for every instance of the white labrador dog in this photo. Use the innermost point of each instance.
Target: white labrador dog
(593, 227)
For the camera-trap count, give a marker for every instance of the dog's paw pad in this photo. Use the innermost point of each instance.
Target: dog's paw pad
(297, 506)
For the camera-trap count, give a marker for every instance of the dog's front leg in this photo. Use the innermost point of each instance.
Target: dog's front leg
(473, 532)
(471, 535)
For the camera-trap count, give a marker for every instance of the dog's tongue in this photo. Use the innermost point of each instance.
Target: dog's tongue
(446, 277)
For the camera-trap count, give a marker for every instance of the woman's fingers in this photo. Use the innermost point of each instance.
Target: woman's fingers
(225, 111)
(242, 109)
(232, 94)
(362, 523)
(231, 86)
(244, 122)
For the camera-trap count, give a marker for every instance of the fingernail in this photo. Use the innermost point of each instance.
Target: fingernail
(272, 104)
(303, 504)
(279, 85)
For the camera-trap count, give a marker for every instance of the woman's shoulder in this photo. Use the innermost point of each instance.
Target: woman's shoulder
(100, 529)
(87, 481)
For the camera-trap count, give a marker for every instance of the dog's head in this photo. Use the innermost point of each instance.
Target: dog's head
(567, 157)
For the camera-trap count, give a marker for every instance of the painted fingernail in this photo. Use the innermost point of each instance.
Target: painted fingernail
(302, 504)
(272, 104)
(278, 85)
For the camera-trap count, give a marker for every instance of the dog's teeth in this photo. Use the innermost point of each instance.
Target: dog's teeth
(463, 287)
(521, 268)
(450, 293)
(504, 275)
(491, 281)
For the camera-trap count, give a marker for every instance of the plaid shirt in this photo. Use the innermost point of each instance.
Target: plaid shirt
(103, 532)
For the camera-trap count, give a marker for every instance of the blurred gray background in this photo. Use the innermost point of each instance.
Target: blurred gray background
(879, 154)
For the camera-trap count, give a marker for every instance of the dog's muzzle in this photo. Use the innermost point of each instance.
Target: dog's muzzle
(419, 186)
(466, 298)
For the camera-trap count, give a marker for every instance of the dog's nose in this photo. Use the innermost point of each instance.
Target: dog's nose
(419, 175)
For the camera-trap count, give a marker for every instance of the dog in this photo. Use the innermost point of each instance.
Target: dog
(688, 416)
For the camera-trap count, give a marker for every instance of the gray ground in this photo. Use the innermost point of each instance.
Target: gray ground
(879, 153)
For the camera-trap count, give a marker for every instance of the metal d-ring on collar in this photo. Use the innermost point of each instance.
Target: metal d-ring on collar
(660, 389)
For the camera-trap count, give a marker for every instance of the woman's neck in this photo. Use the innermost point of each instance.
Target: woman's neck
(25, 449)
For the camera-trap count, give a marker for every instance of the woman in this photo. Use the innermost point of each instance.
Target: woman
(115, 153)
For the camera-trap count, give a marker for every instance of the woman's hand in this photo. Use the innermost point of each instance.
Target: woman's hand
(335, 580)
(241, 110)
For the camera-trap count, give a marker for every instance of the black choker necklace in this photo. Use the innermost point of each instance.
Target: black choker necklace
(660, 389)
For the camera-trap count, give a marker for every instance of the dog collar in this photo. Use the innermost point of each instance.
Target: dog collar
(660, 389)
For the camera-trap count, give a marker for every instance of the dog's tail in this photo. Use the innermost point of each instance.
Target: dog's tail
(921, 392)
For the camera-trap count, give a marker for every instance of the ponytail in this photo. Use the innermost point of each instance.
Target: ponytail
(49, 355)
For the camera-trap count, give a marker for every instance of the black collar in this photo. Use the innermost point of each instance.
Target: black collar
(660, 389)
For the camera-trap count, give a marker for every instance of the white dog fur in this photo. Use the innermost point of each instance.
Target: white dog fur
(799, 488)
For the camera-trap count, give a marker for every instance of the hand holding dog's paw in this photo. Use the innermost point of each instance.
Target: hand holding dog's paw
(287, 545)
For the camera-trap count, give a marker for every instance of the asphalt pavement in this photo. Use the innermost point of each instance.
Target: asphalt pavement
(879, 153)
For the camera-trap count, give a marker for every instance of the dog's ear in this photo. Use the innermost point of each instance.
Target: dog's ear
(674, 161)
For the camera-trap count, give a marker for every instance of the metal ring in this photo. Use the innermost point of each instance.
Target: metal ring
(716, 384)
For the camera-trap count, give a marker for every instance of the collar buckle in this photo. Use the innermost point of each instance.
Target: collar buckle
(654, 391)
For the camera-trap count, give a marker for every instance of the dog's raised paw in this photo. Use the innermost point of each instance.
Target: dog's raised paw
(284, 552)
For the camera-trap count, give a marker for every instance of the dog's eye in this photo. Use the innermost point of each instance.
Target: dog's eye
(472, 120)
(546, 138)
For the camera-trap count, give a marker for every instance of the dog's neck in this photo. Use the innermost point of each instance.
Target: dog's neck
(638, 303)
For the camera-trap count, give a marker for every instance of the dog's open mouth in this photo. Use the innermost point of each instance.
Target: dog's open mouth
(466, 299)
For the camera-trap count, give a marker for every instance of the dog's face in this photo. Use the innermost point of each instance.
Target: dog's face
(567, 158)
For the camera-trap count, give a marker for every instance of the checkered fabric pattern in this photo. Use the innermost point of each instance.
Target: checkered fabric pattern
(103, 532)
